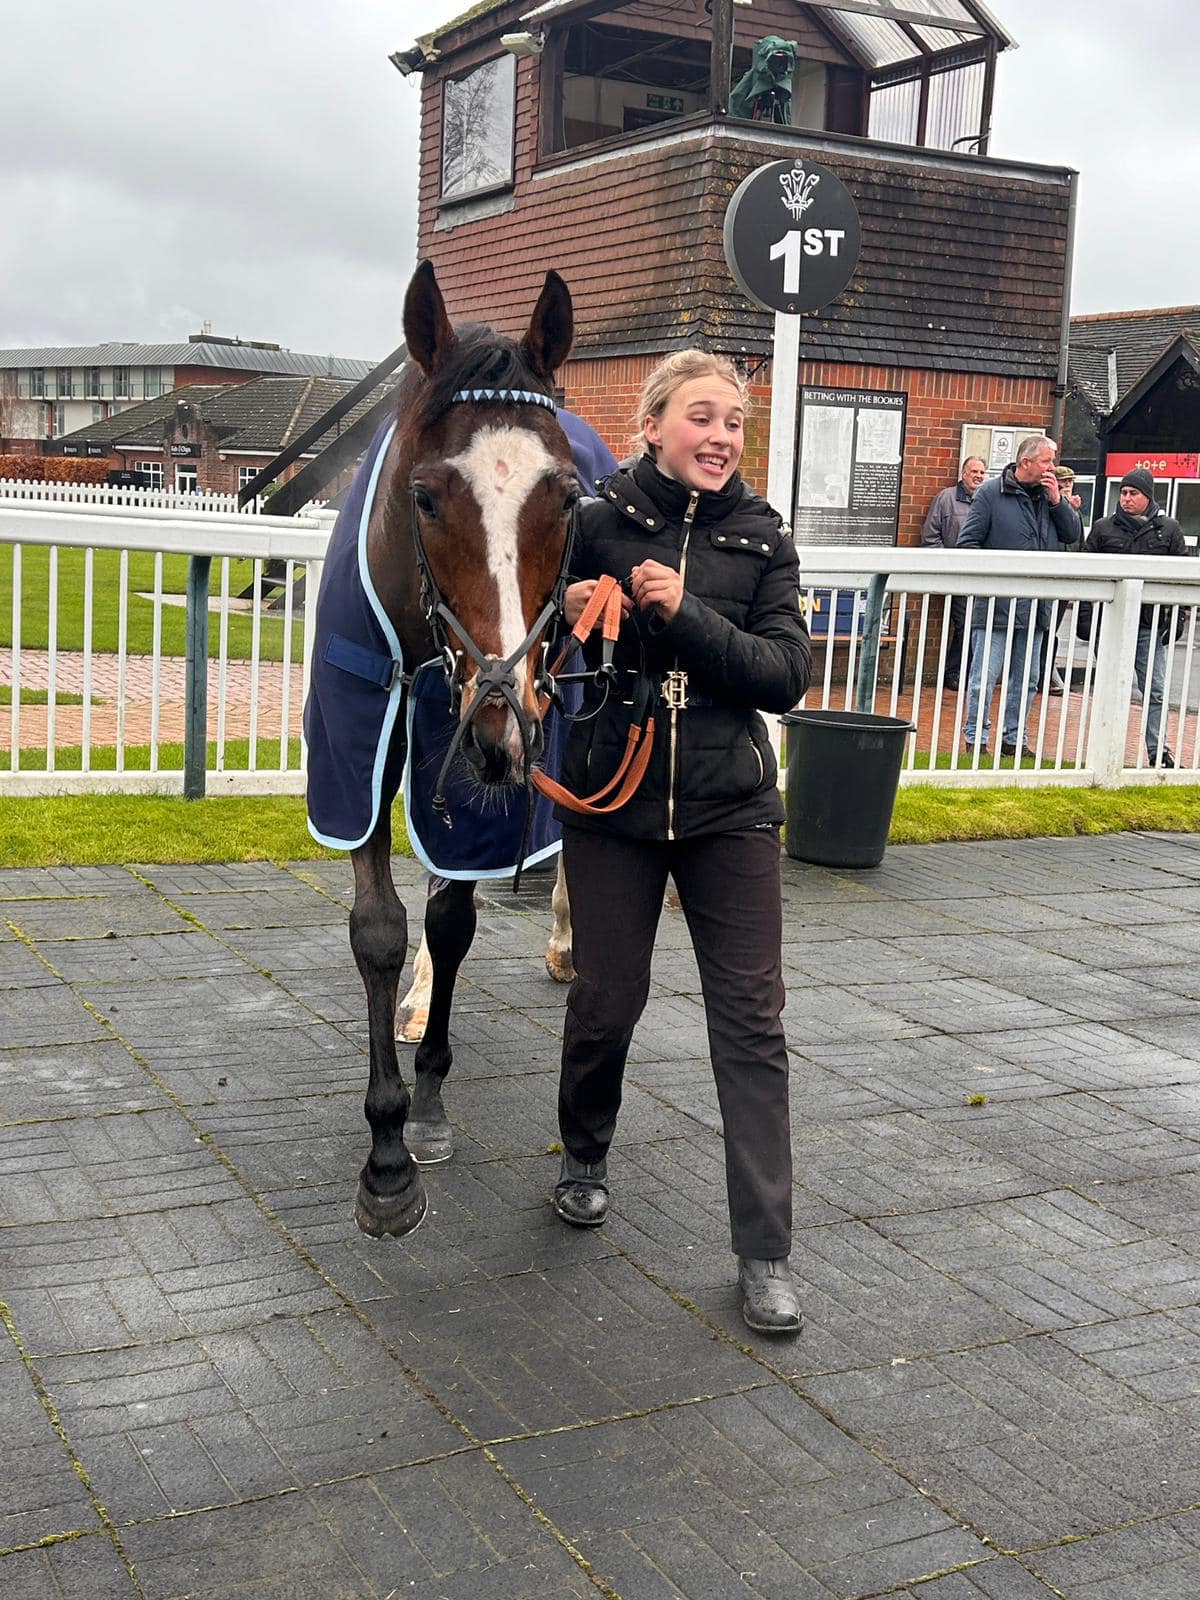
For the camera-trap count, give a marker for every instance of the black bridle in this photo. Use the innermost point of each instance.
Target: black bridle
(496, 677)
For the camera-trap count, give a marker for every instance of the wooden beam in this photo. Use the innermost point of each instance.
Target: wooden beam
(720, 64)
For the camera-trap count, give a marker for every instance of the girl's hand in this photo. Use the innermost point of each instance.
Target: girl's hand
(577, 595)
(657, 588)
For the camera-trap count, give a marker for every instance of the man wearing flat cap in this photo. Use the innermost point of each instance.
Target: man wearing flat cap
(1138, 528)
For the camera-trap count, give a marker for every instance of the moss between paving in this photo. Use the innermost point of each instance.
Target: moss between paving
(81, 830)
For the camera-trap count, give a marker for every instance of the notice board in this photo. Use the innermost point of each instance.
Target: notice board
(850, 445)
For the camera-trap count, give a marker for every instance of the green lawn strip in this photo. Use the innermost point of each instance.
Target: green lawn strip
(40, 697)
(69, 758)
(926, 814)
(35, 605)
(81, 830)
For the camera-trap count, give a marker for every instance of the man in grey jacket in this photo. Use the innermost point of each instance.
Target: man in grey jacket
(943, 524)
(1021, 510)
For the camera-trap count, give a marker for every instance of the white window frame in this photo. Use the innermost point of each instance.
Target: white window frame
(152, 469)
(189, 470)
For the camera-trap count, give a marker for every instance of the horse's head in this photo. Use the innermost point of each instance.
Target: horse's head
(493, 490)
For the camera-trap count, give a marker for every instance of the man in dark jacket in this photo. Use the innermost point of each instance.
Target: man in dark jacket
(1021, 510)
(1139, 528)
(943, 524)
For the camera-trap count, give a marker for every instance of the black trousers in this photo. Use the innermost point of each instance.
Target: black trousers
(728, 886)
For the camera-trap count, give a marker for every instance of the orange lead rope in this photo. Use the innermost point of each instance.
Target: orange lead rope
(604, 607)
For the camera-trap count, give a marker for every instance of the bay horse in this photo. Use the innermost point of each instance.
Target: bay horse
(465, 535)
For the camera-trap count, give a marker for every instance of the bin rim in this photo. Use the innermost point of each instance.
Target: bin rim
(856, 720)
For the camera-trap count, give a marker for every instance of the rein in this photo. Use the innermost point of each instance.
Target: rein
(496, 676)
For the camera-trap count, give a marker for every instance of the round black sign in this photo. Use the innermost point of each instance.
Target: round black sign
(792, 235)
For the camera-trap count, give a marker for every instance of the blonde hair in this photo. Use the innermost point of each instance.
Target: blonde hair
(670, 374)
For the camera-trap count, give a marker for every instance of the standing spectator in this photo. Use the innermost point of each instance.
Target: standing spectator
(943, 524)
(1020, 510)
(1139, 528)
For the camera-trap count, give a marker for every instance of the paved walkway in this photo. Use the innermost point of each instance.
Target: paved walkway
(212, 1385)
(139, 692)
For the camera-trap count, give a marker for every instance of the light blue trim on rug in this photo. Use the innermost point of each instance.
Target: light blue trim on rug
(389, 633)
(474, 874)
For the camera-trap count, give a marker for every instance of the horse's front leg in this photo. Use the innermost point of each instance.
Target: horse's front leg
(559, 962)
(391, 1198)
(449, 930)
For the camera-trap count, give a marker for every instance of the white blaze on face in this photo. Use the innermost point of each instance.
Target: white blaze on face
(502, 466)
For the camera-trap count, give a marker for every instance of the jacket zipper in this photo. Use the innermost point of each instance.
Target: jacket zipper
(762, 768)
(693, 502)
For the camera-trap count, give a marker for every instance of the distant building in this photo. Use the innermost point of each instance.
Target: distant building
(1134, 400)
(48, 393)
(211, 436)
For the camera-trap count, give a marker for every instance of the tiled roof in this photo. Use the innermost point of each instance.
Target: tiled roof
(263, 415)
(142, 424)
(1137, 338)
(232, 357)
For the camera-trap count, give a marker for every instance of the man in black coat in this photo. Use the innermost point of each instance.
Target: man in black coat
(1139, 528)
(1021, 510)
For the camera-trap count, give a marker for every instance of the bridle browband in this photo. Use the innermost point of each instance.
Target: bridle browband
(496, 676)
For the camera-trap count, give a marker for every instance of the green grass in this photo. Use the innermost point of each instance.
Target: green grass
(82, 830)
(35, 605)
(69, 758)
(40, 697)
(925, 814)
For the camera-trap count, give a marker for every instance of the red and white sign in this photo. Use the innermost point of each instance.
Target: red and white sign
(1160, 464)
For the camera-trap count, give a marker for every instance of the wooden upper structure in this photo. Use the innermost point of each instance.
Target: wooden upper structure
(596, 139)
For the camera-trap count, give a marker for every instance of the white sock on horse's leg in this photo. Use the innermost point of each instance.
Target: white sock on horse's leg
(558, 952)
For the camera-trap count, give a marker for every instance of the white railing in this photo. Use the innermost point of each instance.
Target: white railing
(94, 619)
(1087, 735)
(30, 490)
(92, 600)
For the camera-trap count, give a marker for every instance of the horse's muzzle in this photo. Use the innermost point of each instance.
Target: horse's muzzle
(493, 746)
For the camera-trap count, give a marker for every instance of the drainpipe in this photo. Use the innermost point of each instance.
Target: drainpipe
(1064, 332)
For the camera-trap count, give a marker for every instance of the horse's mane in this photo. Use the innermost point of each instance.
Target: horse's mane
(481, 359)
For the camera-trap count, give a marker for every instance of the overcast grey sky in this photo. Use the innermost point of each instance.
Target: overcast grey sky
(253, 162)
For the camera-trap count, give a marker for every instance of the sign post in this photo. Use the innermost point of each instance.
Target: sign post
(792, 241)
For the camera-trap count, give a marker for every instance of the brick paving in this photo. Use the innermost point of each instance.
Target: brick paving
(139, 691)
(212, 1386)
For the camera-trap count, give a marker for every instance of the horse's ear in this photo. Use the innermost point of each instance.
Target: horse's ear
(427, 331)
(551, 327)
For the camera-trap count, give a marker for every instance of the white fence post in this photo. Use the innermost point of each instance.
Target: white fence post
(1115, 651)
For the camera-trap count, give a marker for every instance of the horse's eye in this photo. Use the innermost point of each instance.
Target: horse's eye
(424, 500)
(570, 499)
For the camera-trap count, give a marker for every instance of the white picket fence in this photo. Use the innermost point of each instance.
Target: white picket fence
(88, 713)
(31, 491)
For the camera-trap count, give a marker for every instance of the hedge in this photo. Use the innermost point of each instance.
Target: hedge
(54, 469)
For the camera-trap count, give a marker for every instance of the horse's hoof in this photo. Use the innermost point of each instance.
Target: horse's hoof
(378, 1216)
(560, 966)
(410, 1025)
(428, 1142)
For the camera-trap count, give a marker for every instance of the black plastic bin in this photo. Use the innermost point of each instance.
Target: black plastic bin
(843, 768)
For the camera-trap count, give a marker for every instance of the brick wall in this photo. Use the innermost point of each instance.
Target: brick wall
(604, 391)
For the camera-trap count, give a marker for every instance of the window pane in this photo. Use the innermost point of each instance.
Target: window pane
(894, 110)
(955, 107)
(477, 128)
(1187, 511)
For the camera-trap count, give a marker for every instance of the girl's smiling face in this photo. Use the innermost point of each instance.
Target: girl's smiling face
(697, 437)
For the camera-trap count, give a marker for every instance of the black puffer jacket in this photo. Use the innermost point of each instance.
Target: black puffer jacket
(1151, 535)
(738, 635)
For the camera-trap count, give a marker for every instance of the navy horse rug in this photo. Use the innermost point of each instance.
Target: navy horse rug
(374, 724)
